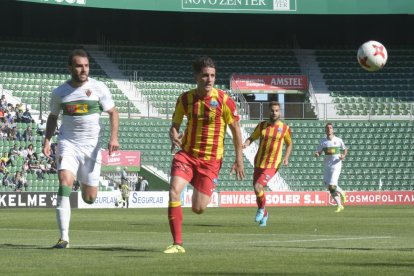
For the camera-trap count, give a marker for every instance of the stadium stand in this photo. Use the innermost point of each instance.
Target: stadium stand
(377, 159)
(358, 92)
(164, 72)
(33, 69)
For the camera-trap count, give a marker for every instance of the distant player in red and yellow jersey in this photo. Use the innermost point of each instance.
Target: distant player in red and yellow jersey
(273, 134)
(208, 113)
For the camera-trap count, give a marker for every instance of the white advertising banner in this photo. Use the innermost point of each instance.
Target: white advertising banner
(148, 200)
(136, 200)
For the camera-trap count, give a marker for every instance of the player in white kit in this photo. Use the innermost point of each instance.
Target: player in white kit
(81, 101)
(335, 151)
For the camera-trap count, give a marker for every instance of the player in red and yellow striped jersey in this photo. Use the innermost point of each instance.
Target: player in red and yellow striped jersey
(208, 113)
(273, 134)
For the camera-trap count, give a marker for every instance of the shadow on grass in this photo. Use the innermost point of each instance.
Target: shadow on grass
(206, 225)
(86, 248)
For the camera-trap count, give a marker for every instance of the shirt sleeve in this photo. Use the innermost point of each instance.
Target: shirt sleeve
(230, 113)
(105, 99)
(55, 102)
(178, 112)
(256, 133)
(288, 136)
(320, 147)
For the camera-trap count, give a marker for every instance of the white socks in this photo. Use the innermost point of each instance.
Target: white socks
(63, 212)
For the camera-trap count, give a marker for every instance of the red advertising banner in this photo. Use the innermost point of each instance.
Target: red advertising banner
(121, 158)
(247, 199)
(379, 198)
(268, 82)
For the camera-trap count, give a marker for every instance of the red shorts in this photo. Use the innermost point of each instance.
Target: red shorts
(262, 176)
(201, 174)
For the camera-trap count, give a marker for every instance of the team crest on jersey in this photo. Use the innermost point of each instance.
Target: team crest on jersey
(214, 104)
(279, 129)
(88, 93)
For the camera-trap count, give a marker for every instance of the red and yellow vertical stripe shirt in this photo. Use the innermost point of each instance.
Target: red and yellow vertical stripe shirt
(272, 138)
(207, 120)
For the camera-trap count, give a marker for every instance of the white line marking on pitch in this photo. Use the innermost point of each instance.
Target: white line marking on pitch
(330, 239)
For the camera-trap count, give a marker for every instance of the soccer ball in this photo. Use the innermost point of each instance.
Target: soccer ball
(372, 56)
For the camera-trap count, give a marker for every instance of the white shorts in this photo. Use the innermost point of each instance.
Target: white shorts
(83, 161)
(331, 174)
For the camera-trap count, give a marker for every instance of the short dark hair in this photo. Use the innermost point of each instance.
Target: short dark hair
(78, 53)
(329, 124)
(274, 103)
(202, 62)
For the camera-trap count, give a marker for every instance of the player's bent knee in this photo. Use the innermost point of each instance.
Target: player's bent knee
(198, 210)
(332, 188)
(89, 200)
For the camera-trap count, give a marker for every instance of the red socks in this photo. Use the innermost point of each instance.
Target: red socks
(175, 218)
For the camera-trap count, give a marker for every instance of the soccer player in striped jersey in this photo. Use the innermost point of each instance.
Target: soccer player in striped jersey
(335, 152)
(208, 111)
(273, 134)
(81, 100)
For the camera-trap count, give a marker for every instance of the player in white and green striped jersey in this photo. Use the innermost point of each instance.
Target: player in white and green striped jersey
(335, 152)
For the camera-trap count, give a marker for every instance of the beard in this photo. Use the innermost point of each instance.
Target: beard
(274, 118)
(80, 78)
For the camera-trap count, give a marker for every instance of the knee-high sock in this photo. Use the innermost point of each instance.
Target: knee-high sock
(175, 218)
(261, 200)
(63, 211)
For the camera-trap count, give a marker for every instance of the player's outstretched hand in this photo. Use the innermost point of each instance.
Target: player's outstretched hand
(238, 168)
(112, 147)
(176, 142)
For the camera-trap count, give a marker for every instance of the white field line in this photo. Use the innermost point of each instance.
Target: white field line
(325, 239)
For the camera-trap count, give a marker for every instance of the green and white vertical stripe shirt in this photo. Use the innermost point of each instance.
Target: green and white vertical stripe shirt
(332, 149)
(81, 108)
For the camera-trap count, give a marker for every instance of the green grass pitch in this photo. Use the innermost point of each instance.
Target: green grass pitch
(375, 240)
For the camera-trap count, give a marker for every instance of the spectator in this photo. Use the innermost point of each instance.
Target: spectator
(124, 176)
(14, 153)
(53, 150)
(19, 116)
(4, 130)
(28, 134)
(19, 182)
(26, 166)
(5, 158)
(11, 110)
(34, 167)
(14, 134)
(27, 117)
(1, 114)
(43, 166)
(3, 102)
(53, 167)
(30, 152)
(9, 119)
(7, 182)
(143, 184)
